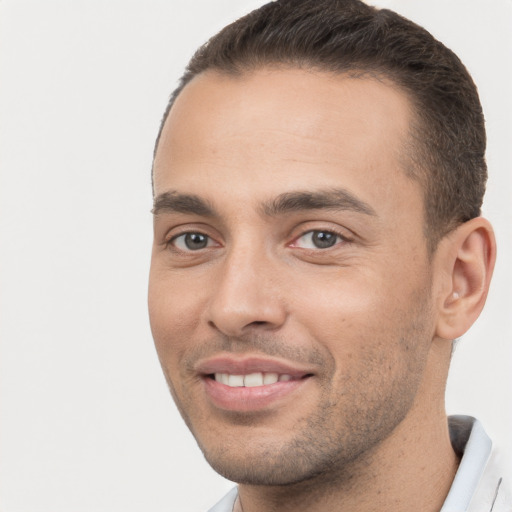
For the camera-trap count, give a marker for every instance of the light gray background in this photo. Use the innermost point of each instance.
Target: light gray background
(87, 423)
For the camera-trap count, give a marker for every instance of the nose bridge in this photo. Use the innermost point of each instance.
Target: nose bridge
(246, 291)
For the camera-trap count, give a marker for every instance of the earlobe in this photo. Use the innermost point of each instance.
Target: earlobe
(468, 254)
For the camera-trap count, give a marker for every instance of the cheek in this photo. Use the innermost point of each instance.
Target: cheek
(367, 317)
(173, 315)
(367, 289)
(345, 301)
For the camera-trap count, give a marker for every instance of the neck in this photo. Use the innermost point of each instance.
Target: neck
(412, 469)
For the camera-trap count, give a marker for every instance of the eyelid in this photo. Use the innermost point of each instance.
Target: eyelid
(337, 232)
(173, 241)
(181, 231)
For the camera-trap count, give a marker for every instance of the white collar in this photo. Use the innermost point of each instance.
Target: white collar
(469, 440)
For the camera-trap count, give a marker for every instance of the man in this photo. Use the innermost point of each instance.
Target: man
(318, 179)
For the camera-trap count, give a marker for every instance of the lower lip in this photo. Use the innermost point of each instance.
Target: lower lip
(243, 399)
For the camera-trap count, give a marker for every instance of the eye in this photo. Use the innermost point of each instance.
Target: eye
(318, 240)
(192, 241)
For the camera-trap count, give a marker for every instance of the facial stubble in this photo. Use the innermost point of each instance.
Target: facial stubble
(355, 413)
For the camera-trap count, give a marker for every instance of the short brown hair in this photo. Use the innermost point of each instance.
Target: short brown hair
(446, 150)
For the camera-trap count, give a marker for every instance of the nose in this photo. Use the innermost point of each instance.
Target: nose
(246, 294)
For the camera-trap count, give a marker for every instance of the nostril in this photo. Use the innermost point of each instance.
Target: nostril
(258, 322)
(236, 318)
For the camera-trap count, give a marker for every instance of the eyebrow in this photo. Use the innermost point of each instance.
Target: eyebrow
(288, 202)
(172, 202)
(331, 199)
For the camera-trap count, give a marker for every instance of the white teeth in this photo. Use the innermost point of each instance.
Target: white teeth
(236, 381)
(270, 378)
(222, 377)
(251, 380)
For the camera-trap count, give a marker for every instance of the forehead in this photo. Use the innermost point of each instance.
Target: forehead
(284, 126)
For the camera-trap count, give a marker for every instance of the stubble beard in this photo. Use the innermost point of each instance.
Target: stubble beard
(336, 441)
(323, 447)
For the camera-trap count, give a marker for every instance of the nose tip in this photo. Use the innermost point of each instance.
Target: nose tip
(246, 298)
(236, 323)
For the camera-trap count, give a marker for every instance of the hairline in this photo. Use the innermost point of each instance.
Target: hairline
(412, 152)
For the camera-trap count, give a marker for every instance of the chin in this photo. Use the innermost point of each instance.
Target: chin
(255, 460)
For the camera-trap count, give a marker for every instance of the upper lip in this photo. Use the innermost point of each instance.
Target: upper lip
(246, 365)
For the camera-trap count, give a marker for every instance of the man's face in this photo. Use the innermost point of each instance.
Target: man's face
(290, 282)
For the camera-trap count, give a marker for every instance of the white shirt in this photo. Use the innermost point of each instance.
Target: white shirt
(479, 484)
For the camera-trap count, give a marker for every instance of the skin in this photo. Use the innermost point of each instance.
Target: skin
(366, 318)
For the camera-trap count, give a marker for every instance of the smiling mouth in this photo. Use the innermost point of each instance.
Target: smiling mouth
(252, 380)
(241, 387)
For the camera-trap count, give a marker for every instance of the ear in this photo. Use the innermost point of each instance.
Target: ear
(466, 257)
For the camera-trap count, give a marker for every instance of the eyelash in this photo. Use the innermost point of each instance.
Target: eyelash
(339, 238)
(172, 240)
